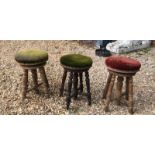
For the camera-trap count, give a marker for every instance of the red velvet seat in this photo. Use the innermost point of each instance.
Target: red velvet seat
(122, 63)
(120, 67)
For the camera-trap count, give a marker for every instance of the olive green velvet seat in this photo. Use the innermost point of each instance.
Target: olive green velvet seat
(33, 60)
(76, 60)
(76, 66)
(31, 56)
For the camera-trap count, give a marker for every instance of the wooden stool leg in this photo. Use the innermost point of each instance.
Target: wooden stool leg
(68, 99)
(35, 80)
(63, 82)
(130, 100)
(44, 78)
(119, 89)
(88, 87)
(107, 86)
(109, 92)
(75, 82)
(25, 84)
(127, 88)
(81, 83)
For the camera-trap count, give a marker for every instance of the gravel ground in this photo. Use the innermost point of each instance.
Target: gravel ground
(11, 81)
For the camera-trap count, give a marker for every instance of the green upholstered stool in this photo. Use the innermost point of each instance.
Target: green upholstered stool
(32, 60)
(76, 65)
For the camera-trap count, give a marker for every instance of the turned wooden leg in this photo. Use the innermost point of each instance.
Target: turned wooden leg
(130, 96)
(35, 80)
(44, 78)
(127, 88)
(81, 82)
(109, 92)
(107, 86)
(88, 87)
(68, 99)
(119, 89)
(63, 82)
(75, 82)
(25, 83)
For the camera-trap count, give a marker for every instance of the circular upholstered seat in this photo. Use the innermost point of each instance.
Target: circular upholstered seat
(76, 66)
(31, 56)
(76, 61)
(122, 63)
(120, 67)
(34, 61)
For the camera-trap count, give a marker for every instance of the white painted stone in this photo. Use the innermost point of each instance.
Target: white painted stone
(124, 46)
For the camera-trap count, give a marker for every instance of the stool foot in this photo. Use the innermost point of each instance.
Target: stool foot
(107, 86)
(109, 92)
(68, 99)
(63, 83)
(25, 83)
(35, 80)
(106, 109)
(119, 89)
(44, 78)
(88, 87)
(131, 111)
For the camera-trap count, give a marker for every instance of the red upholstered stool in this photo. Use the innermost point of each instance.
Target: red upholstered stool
(120, 67)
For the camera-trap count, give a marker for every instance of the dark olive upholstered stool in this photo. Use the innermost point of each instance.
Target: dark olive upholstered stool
(120, 67)
(33, 60)
(76, 65)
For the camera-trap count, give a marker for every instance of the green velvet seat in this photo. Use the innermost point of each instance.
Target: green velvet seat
(76, 60)
(31, 56)
(33, 60)
(76, 67)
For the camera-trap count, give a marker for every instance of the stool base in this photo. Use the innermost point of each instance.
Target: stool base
(35, 80)
(75, 80)
(128, 92)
